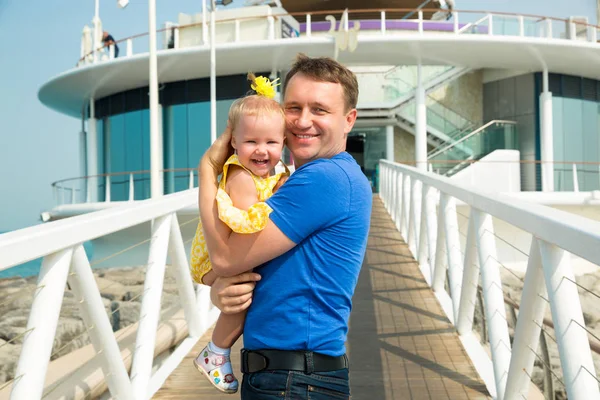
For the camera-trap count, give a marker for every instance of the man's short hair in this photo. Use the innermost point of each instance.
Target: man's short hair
(325, 69)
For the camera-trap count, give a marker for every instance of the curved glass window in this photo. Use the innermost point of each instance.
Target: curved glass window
(123, 126)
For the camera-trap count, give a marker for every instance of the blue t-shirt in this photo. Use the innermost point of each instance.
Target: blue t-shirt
(304, 298)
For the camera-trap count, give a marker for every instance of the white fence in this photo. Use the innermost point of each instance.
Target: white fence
(431, 230)
(65, 262)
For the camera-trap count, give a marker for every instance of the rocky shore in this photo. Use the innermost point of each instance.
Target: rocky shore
(120, 288)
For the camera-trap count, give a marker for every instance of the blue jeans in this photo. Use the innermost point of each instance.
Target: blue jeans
(294, 385)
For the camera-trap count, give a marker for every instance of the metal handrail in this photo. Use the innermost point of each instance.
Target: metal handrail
(476, 131)
(455, 12)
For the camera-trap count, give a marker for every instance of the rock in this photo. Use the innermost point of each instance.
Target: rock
(9, 356)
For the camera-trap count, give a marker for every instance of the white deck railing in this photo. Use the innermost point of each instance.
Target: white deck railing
(462, 22)
(65, 261)
(431, 231)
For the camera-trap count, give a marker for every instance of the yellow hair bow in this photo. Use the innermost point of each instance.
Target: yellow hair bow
(264, 87)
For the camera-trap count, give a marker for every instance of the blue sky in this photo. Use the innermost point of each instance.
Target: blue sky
(41, 38)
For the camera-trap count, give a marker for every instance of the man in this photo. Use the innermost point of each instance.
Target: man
(309, 255)
(107, 39)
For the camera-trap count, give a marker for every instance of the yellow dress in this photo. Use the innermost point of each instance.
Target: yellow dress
(240, 221)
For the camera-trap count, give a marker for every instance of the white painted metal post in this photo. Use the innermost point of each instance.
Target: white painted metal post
(181, 267)
(547, 135)
(420, 22)
(439, 270)
(176, 38)
(92, 155)
(141, 367)
(271, 24)
(493, 299)
(155, 136)
(131, 188)
(394, 196)
(237, 30)
(420, 122)
(96, 23)
(575, 179)
(404, 216)
(204, 26)
(468, 294)
(213, 77)
(111, 51)
(549, 28)
(399, 204)
(424, 249)
(383, 22)
(415, 216)
(129, 50)
(41, 326)
(191, 185)
(527, 331)
(84, 287)
(572, 339)
(82, 184)
(490, 25)
(521, 25)
(389, 143)
(455, 262)
(455, 18)
(107, 189)
(308, 26)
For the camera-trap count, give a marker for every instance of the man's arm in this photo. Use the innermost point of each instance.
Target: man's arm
(232, 253)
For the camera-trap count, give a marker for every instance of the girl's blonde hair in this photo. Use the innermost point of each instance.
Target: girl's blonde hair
(253, 105)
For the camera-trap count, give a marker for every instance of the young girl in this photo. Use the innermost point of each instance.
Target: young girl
(257, 123)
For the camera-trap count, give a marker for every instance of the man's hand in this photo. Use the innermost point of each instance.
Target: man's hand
(218, 152)
(233, 295)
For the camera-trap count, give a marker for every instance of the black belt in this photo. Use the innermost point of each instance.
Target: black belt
(305, 361)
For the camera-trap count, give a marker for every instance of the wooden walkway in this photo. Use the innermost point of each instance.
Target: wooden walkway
(400, 344)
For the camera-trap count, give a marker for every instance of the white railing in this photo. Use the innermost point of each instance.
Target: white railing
(90, 189)
(462, 22)
(65, 262)
(431, 231)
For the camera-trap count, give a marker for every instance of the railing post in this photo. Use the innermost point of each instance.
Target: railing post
(184, 282)
(414, 216)
(143, 356)
(237, 30)
(528, 327)
(575, 179)
(55, 194)
(493, 298)
(426, 234)
(107, 189)
(420, 22)
(592, 34)
(404, 215)
(490, 25)
(455, 18)
(453, 250)
(383, 22)
(308, 25)
(399, 204)
(129, 47)
(191, 185)
(271, 23)
(468, 294)
(439, 271)
(131, 188)
(41, 326)
(572, 339)
(111, 51)
(393, 197)
(73, 193)
(548, 28)
(176, 37)
(85, 290)
(521, 26)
